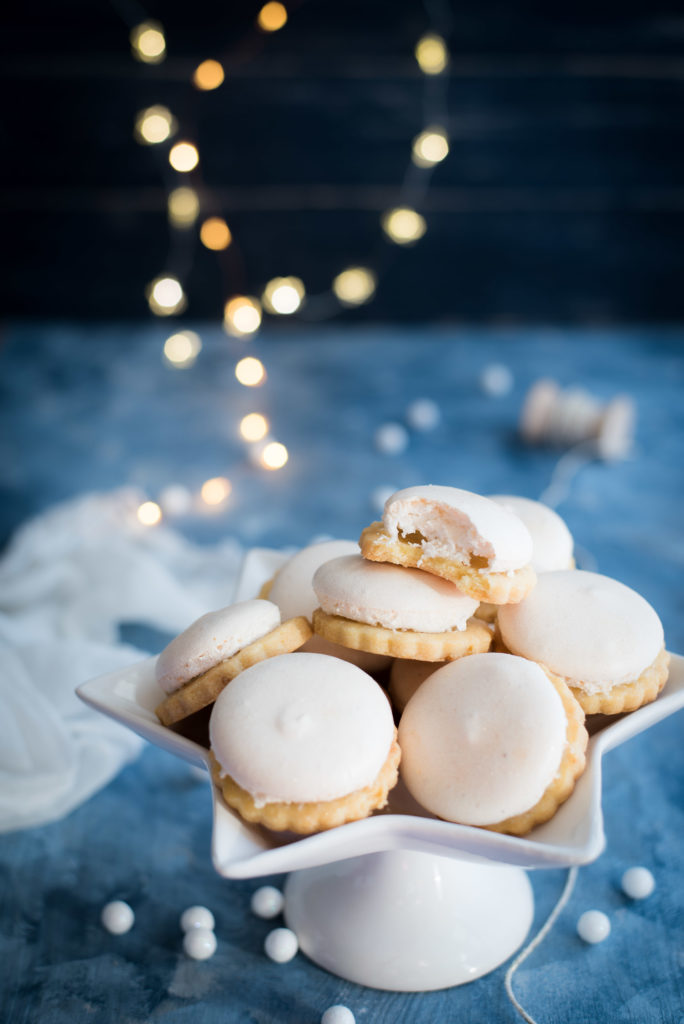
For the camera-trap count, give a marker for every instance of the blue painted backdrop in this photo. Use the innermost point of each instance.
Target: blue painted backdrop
(86, 407)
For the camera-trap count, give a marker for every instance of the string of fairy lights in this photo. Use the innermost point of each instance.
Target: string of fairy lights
(243, 314)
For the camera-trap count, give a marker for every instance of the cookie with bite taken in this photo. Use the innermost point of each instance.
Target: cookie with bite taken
(460, 536)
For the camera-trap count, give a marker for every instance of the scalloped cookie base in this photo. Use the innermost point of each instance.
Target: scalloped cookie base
(204, 689)
(476, 638)
(493, 587)
(619, 698)
(316, 816)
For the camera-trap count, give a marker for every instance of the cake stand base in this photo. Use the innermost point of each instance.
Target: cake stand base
(407, 921)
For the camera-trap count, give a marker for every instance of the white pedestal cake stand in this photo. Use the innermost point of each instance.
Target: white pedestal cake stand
(401, 900)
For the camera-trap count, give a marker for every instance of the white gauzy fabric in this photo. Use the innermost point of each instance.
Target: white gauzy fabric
(68, 579)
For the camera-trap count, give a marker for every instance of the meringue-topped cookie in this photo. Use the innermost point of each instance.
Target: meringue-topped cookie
(461, 536)
(303, 742)
(600, 636)
(389, 609)
(193, 669)
(388, 595)
(213, 638)
(552, 542)
(490, 741)
(292, 590)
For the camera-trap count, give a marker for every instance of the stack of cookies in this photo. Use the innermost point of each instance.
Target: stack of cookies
(493, 648)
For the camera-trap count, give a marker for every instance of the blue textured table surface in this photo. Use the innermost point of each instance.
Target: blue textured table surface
(94, 408)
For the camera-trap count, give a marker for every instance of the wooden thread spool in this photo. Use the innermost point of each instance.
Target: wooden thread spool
(564, 418)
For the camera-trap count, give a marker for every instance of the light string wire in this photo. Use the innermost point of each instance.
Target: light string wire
(412, 191)
(536, 941)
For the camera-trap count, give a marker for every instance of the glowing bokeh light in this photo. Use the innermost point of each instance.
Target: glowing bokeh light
(403, 225)
(149, 513)
(355, 286)
(272, 16)
(250, 372)
(154, 125)
(183, 207)
(432, 54)
(165, 296)
(241, 315)
(183, 157)
(215, 234)
(253, 426)
(283, 295)
(274, 455)
(215, 491)
(430, 147)
(208, 75)
(148, 43)
(181, 349)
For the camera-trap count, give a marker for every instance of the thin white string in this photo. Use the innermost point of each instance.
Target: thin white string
(565, 470)
(539, 937)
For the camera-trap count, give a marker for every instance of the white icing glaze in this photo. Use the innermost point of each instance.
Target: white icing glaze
(292, 589)
(482, 739)
(584, 627)
(459, 523)
(552, 541)
(393, 596)
(301, 727)
(293, 592)
(213, 638)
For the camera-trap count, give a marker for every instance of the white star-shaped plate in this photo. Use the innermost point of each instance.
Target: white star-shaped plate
(573, 836)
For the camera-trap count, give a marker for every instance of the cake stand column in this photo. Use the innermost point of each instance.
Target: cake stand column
(407, 921)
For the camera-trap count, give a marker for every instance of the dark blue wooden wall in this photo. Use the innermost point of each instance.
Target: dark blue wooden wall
(562, 198)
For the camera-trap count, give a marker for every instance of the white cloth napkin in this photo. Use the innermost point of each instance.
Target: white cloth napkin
(68, 580)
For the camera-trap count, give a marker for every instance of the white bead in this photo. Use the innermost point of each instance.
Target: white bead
(338, 1015)
(638, 883)
(496, 380)
(197, 917)
(593, 926)
(199, 943)
(380, 495)
(117, 917)
(423, 414)
(267, 901)
(391, 439)
(281, 945)
(175, 500)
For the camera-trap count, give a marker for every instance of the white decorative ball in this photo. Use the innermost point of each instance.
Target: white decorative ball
(117, 917)
(638, 883)
(267, 901)
(197, 917)
(593, 926)
(391, 439)
(199, 943)
(380, 495)
(496, 380)
(338, 1015)
(175, 500)
(423, 414)
(281, 945)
